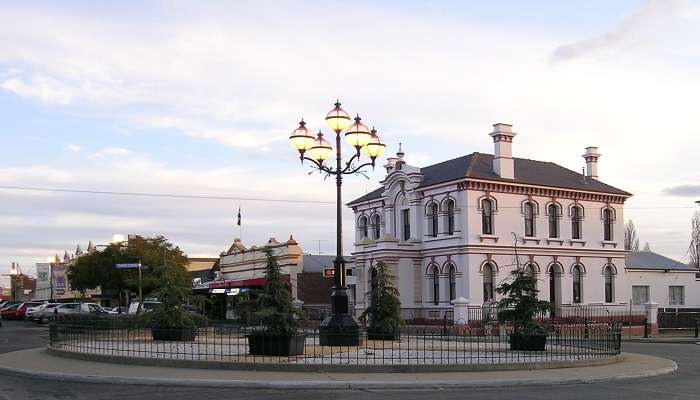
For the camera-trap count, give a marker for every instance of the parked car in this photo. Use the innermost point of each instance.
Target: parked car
(10, 312)
(148, 305)
(6, 304)
(33, 313)
(22, 309)
(118, 310)
(71, 308)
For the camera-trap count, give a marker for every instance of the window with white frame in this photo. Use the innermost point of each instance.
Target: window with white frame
(608, 218)
(609, 284)
(553, 211)
(406, 222)
(640, 295)
(487, 272)
(435, 274)
(576, 218)
(450, 204)
(529, 214)
(433, 220)
(452, 271)
(363, 227)
(376, 225)
(576, 272)
(676, 295)
(486, 217)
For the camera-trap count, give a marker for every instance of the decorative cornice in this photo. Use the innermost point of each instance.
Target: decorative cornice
(514, 188)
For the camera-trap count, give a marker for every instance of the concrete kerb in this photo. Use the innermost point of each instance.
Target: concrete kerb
(274, 367)
(331, 384)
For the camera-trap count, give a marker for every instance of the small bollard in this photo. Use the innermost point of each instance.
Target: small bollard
(697, 325)
(646, 328)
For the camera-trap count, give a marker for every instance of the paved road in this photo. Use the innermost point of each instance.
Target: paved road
(683, 384)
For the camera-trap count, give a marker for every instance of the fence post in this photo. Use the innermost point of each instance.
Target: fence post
(697, 325)
(651, 309)
(460, 313)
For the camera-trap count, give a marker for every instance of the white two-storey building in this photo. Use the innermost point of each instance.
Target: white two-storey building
(447, 230)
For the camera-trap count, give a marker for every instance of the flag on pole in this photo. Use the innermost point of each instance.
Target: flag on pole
(239, 216)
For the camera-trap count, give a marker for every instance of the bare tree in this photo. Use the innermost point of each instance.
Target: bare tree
(631, 239)
(694, 249)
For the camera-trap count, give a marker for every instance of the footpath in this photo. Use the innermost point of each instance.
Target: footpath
(38, 363)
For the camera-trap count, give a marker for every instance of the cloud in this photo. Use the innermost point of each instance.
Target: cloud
(110, 152)
(74, 148)
(636, 27)
(686, 190)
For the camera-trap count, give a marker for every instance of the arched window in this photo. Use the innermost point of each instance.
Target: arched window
(450, 217)
(363, 226)
(576, 272)
(553, 212)
(486, 217)
(607, 224)
(529, 211)
(436, 285)
(376, 225)
(576, 218)
(530, 273)
(609, 284)
(433, 219)
(487, 271)
(453, 282)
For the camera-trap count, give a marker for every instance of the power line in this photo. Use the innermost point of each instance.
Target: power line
(202, 197)
(168, 195)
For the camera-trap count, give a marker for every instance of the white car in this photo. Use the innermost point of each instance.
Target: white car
(71, 308)
(33, 313)
(148, 305)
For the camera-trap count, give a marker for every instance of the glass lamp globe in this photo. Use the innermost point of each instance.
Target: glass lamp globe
(374, 148)
(337, 119)
(357, 134)
(301, 139)
(321, 150)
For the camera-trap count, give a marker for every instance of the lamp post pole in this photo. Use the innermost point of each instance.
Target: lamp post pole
(340, 328)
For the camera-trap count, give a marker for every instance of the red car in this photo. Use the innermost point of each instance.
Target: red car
(10, 312)
(17, 311)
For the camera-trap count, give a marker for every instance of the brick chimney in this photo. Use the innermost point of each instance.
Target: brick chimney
(503, 153)
(591, 157)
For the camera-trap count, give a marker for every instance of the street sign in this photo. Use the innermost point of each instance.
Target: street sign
(127, 266)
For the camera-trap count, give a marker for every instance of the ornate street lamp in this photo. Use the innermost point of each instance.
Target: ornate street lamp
(340, 328)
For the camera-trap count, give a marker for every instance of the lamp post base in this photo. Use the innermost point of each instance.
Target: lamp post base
(339, 330)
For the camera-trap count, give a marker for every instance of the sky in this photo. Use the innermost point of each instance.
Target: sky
(199, 98)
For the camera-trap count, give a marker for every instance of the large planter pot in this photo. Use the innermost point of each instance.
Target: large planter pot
(375, 334)
(181, 334)
(265, 344)
(527, 342)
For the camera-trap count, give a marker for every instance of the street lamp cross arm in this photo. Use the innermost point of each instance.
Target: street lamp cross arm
(320, 166)
(350, 170)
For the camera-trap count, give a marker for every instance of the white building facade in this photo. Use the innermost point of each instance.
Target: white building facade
(447, 230)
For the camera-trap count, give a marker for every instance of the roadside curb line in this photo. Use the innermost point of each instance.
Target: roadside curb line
(333, 385)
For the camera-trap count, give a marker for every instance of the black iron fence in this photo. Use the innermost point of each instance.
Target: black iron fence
(461, 344)
(678, 318)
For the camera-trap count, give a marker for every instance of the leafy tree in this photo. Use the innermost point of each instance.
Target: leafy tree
(273, 303)
(157, 256)
(631, 239)
(520, 304)
(172, 294)
(384, 311)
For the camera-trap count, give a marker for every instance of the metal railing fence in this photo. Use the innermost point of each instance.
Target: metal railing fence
(460, 345)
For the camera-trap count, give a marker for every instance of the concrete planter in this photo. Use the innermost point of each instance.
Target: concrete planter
(181, 334)
(264, 344)
(527, 342)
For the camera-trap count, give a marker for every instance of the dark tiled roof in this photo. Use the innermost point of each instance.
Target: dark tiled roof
(480, 166)
(651, 260)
